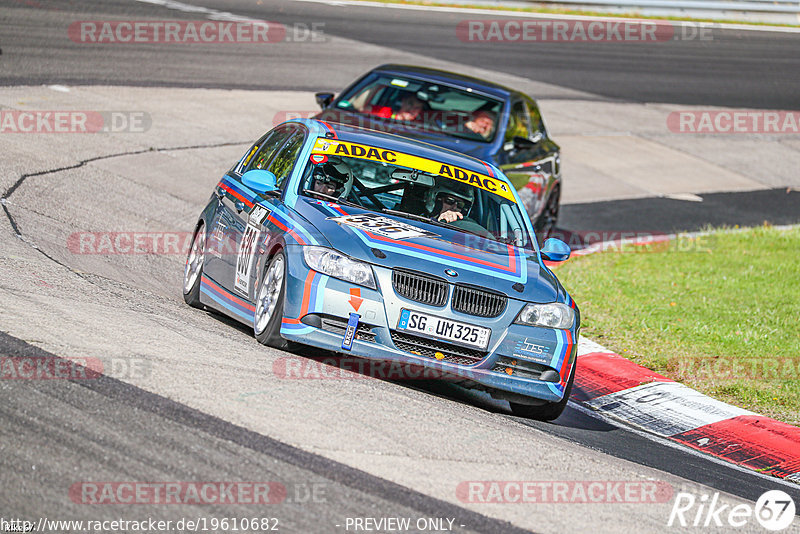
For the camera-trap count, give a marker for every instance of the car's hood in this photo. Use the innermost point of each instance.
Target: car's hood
(476, 149)
(430, 248)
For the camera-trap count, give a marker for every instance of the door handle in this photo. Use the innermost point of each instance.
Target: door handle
(239, 206)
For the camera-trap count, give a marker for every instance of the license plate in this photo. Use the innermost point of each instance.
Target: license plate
(430, 325)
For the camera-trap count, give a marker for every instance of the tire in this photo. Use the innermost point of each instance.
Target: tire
(549, 411)
(269, 304)
(193, 271)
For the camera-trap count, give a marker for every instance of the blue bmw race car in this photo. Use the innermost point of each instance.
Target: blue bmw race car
(390, 249)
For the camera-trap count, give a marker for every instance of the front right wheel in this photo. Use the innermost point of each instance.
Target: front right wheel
(269, 304)
(193, 271)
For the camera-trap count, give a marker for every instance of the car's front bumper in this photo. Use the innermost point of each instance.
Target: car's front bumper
(529, 361)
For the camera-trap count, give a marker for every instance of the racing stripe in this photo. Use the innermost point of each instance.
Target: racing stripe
(312, 298)
(279, 219)
(312, 275)
(511, 268)
(286, 229)
(558, 353)
(297, 231)
(513, 271)
(560, 359)
(304, 303)
(564, 361)
(227, 300)
(237, 191)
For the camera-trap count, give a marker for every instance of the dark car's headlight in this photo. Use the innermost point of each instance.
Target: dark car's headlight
(553, 315)
(328, 261)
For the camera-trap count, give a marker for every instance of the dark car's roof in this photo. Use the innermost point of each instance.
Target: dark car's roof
(356, 134)
(451, 78)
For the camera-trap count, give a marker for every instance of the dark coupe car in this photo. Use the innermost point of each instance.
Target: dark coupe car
(472, 116)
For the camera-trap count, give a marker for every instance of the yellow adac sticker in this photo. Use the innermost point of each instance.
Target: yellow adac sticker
(354, 150)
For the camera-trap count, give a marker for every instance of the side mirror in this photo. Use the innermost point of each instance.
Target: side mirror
(324, 99)
(523, 143)
(260, 181)
(555, 250)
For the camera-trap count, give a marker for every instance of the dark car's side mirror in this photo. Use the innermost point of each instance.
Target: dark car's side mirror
(261, 181)
(324, 99)
(555, 250)
(523, 143)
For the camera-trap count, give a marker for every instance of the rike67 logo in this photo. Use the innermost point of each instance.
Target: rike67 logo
(774, 511)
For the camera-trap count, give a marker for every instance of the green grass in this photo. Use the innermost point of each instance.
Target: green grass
(586, 13)
(720, 313)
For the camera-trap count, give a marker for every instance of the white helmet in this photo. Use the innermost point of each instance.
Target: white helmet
(433, 202)
(334, 171)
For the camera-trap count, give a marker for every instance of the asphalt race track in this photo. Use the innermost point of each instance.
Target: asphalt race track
(736, 68)
(189, 396)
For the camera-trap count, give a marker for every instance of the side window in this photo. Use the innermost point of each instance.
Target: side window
(269, 147)
(518, 125)
(283, 163)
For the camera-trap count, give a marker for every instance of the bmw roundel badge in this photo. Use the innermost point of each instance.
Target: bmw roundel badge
(450, 272)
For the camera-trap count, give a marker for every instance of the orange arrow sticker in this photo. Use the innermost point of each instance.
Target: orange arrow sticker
(355, 298)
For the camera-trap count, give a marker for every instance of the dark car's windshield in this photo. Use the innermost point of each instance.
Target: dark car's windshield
(418, 195)
(424, 105)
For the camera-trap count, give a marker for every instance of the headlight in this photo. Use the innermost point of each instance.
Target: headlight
(328, 261)
(554, 315)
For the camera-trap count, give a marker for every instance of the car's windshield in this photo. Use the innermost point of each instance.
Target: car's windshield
(424, 105)
(477, 204)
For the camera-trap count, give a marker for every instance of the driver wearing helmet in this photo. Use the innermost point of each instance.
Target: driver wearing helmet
(449, 202)
(332, 178)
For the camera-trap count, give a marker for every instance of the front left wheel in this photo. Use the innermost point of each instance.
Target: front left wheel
(193, 271)
(551, 410)
(269, 304)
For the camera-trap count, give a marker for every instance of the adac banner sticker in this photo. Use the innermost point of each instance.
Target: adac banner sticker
(355, 150)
